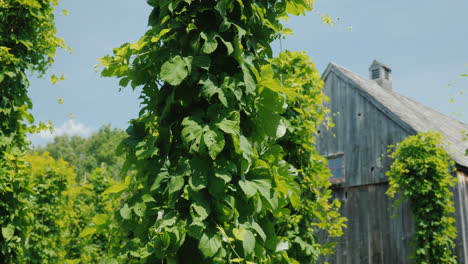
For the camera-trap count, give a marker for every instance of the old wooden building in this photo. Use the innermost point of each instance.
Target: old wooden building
(369, 116)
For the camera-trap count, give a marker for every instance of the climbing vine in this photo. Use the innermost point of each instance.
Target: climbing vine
(28, 42)
(421, 175)
(301, 85)
(225, 168)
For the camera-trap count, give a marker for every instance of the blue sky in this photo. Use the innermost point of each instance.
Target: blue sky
(424, 42)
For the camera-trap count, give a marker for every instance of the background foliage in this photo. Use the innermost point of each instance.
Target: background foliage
(421, 175)
(61, 209)
(215, 180)
(87, 154)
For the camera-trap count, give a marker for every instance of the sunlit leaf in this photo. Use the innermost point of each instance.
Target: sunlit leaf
(174, 71)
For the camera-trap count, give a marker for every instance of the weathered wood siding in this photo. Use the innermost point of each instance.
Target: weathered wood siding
(373, 235)
(363, 133)
(461, 216)
(376, 235)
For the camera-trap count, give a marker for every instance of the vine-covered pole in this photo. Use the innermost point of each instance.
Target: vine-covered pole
(421, 175)
(27, 44)
(216, 141)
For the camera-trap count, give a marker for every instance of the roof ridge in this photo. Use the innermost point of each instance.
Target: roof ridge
(409, 114)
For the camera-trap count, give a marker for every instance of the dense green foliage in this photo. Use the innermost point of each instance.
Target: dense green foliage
(27, 43)
(226, 171)
(87, 154)
(302, 86)
(42, 208)
(45, 237)
(421, 175)
(61, 209)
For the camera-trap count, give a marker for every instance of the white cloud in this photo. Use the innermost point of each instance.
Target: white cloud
(70, 127)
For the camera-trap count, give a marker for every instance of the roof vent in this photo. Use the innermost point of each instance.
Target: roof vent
(381, 74)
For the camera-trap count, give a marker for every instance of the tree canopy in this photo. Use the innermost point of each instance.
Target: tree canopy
(88, 153)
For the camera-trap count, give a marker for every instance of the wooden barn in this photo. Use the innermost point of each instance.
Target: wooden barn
(369, 116)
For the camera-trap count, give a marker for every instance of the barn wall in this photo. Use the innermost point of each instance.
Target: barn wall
(379, 233)
(363, 133)
(461, 216)
(373, 236)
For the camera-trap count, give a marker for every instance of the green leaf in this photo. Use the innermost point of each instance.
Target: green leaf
(200, 210)
(25, 114)
(148, 198)
(87, 231)
(249, 81)
(196, 228)
(327, 19)
(239, 233)
(230, 126)
(263, 186)
(218, 183)
(282, 246)
(139, 209)
(174, 71)
(139, 44)
(192, 133)
(116, 188)
(214, 140)
(246, 148)
(208, 88)
(198, 178)
(176, 183)
(8, 232)
(229, 47)
(268, 122)
(209, 244)
(161, 176)
(160, 35)
(108, 261)
(54, 79)
(124, 82)
(259, 230)
(223, 175)
(100, 219)
(297, 8)
(125, 212)
(211, 43)
(268, 80)
(249, 188)
(248, 243)
(273, 101)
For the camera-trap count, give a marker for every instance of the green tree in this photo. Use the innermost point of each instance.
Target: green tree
(93, 234)
(214, 182)
(28, 43)
(46, 234)
(87, 154)
(421, 175)
(62, 210)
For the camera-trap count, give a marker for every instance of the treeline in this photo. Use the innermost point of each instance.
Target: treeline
(88, 153)
(64, 197)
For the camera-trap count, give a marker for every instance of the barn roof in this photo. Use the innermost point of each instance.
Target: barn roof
(412, 116)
